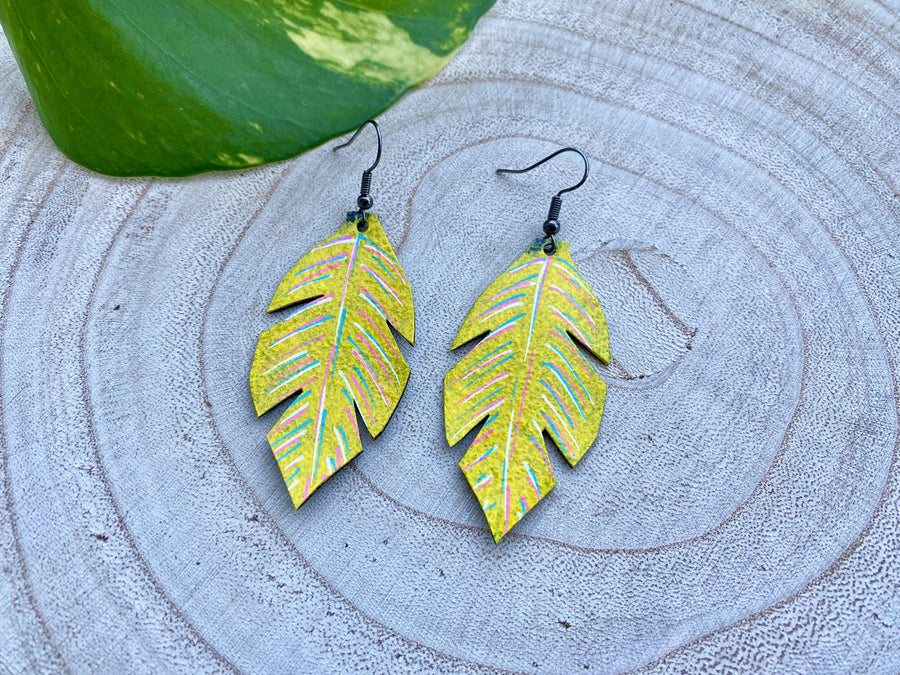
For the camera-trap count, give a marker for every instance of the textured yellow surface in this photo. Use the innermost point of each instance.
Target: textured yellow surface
(526, 376)
(335, 351)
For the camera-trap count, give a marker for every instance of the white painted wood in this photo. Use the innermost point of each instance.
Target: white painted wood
(740, 507)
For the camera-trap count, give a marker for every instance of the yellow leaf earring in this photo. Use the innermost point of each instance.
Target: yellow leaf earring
(527, 376)
(334, 352)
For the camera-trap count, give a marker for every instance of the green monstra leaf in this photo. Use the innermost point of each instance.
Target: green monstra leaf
(174, 87)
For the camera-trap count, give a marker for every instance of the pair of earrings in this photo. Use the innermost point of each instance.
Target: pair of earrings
(525, 379)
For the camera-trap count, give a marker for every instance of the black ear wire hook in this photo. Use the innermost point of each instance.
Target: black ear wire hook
(551, 225)
(365, 200)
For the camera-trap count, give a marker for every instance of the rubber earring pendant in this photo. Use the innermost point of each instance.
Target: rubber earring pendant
(527, 376)
(334, 352)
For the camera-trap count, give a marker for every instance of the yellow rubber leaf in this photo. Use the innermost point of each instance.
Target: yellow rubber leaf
(335, 352)
(526, 376)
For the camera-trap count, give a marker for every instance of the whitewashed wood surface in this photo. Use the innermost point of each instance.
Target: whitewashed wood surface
(740, 509)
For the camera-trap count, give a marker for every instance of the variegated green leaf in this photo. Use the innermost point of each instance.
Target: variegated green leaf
(334, 352)
(174, 87)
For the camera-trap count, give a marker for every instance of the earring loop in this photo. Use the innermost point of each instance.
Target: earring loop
(551, 225)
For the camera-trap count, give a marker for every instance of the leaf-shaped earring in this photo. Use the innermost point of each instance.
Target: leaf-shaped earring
(526, 376)
(335, 351)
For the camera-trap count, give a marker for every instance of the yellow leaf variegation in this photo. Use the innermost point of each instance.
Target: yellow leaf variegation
(335, 351)
(524, 378)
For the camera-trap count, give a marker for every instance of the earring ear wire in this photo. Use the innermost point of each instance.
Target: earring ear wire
(365, 201)
(551, 225)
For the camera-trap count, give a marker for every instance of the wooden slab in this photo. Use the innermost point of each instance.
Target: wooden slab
(739, 509)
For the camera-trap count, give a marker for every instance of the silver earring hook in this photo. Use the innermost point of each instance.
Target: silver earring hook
(365, 200)
(551, 225)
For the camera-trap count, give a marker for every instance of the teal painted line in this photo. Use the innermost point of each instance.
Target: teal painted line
(565, 383)
(474, 366)
(572, 370)
(573, 300)
(339, 256)
(365, 384)
(360, 351)
(505, 358)
(375, 342)
(381, 264)
(475, 405)
(500, 302)
(387, 293)
(289, 434)
(561, 406)
(386, 254)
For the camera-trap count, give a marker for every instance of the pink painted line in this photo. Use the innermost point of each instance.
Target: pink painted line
(579, 394)
(390, 262)
(560, 399)
(333, 242)
(329, 365)
(479, 366)
(482, 437)
(484, 484)
(577, 285)
(536, 261)
(312, 275)
(371, 374)
(577, 306)
(537, 299)
(543, 456)
(362, 394)
(317, 440)
(362, 338)
(506, 510)
(565, 441)
(297, 366)
(388, 342)
(308, 382)
(521, 284)
(283, 357)
(577, 332)
(572, 348)
(296, 330)
(477, 461)
(387, 314)
(499, 332)
(340, 256)
(481, 413)
(384, 283)
(498, 308)
(351, 415)
(568, 277)
(302, 409)
(483, 387)
(515, 437)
